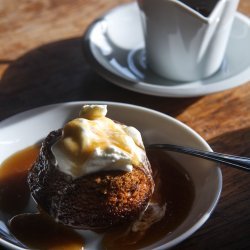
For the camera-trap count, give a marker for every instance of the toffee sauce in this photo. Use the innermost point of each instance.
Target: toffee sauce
(38, 231)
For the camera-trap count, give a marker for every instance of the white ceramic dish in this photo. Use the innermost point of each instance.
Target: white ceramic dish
(114, 46)
(30, 127)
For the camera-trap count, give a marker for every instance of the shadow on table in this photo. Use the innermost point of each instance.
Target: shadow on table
(228, 228)
(235, 142)
(57, 72)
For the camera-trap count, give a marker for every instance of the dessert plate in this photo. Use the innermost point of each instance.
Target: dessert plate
(30, 127)
(114, 46)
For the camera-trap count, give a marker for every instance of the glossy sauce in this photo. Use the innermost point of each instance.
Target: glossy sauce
(14, 190)
(36, 231)
(173, 186)
(41, 232)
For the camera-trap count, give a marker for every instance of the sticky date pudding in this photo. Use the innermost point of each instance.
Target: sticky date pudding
(93, 173)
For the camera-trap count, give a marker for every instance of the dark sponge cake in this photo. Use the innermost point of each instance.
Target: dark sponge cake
(94, 201)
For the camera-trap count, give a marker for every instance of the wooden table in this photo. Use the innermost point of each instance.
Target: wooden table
(41, 63)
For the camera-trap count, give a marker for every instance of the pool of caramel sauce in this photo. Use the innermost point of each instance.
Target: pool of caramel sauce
(38, 231)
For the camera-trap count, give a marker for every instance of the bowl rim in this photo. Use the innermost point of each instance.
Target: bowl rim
(205, 146)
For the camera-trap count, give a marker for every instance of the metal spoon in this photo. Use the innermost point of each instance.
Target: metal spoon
(242, 163)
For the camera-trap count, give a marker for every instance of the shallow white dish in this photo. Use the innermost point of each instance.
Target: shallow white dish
(114, 46)
(28, 128)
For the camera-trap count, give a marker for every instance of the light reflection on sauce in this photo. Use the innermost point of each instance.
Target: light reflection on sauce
(40, 231)
(172, 186)
(36, 231)
(14, 190)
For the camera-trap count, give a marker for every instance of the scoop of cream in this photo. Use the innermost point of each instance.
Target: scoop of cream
(93, 143)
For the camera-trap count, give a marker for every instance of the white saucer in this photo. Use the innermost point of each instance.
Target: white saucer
(114, 46)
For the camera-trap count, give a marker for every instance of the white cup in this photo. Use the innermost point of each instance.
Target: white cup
(182, 43)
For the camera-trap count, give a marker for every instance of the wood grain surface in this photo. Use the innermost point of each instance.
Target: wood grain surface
(41, 63)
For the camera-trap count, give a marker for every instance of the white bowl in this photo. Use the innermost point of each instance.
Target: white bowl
(28, 128)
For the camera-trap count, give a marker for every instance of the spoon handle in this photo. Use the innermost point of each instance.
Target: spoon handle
(238, 162)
